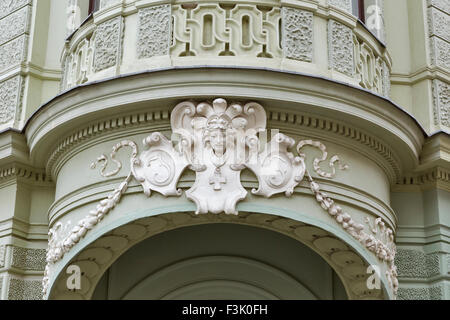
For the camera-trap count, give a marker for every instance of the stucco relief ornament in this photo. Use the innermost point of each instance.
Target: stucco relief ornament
(216, 141)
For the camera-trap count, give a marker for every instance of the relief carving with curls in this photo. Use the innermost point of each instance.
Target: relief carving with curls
(217, 141)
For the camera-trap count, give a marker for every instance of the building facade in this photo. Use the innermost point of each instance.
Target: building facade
(223, 149)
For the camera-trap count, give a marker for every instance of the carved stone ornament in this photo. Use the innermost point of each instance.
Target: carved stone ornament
(217, 141)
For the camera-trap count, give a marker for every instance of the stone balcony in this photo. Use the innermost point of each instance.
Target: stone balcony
(307, 37)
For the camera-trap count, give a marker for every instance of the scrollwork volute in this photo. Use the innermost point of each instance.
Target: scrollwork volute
(217, 141)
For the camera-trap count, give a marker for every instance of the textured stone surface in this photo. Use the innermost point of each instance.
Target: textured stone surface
(108, 3)
(340, 48)
(441, 103)
(14, 25)
(10, 98)
(444, 5)
(297, 34)
(2, 256)
(13, 52)
(413, 294)
(9, 6)
(28, 259)
(108, 44)
(436, 293)
(345, 5)
(154, 31)
(20, 289)
(440, 53)
(439, 23)
(416, 264)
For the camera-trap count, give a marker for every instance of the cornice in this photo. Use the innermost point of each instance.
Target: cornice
(395, 123)
(438, 178)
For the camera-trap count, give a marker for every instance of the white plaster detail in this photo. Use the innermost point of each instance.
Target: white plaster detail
(441, 102)
(370, 70)
(13, 52)
(14, 25)
(439, 24)
(9, 6)
(440, 53)
(154, 31)
(11, 92)
(108, 44)
(340, 48)
(443, 5)
(297, 34)
(217, 141)
(211, 30)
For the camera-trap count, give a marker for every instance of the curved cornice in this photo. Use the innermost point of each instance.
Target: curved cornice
(291, 91)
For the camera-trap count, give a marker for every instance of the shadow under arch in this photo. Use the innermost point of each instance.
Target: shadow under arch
(102, 247)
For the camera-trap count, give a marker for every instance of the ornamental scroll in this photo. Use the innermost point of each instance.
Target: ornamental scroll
(217, 141)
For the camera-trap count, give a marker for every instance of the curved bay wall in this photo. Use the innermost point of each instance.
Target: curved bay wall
(313, 37)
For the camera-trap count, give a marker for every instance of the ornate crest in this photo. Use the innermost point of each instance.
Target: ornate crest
(217, 141)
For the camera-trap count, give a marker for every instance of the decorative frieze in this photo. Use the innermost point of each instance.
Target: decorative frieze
(441, 102)
(11, 92)
(212, 30)
(440, 53)
(20, 289)
(28, 259)
(217, 166)
(370, 70)
(14, 52)
(9, 6)
(439, 24)
(154, 31)
(15, 24)
(340, 48)
(108, 44)
(345, 5)
(297, 34)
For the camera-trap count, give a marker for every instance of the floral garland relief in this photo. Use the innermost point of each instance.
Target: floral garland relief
(217, 142)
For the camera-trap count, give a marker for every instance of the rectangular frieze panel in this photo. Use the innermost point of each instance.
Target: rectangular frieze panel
(208, 29)
(108, 44)
(345, 5)
(13, 53)
(11, 92)
(441, 101)
(9, 6)
(14, 25)
(297, 34)
(340, 48)
(154, 31)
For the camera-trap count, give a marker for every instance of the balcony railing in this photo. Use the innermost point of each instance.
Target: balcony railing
(299, 36)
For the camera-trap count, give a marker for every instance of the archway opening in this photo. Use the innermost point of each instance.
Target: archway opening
(220, 261)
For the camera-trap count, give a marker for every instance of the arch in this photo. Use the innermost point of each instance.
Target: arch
(101, 248)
